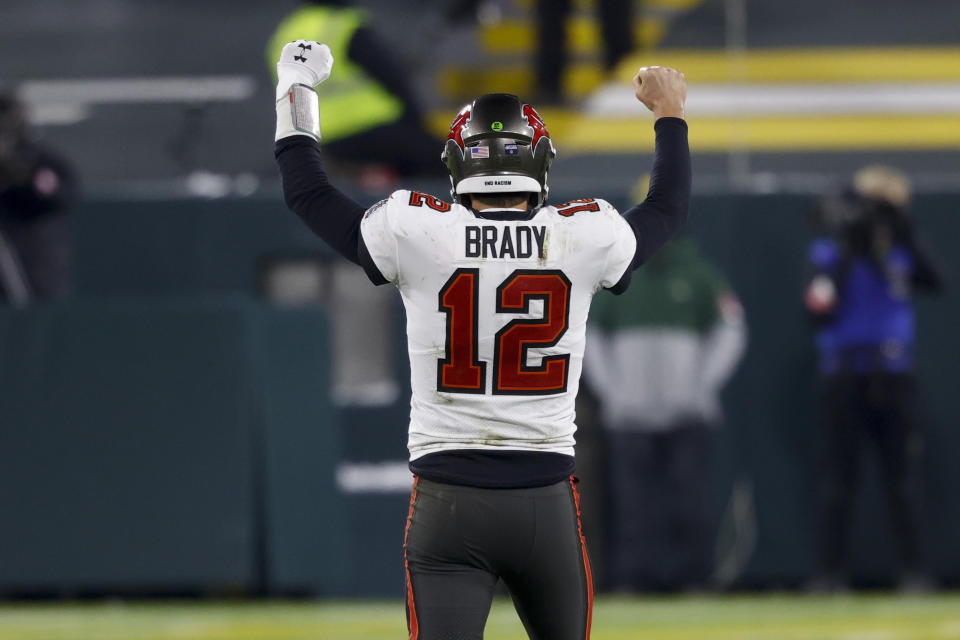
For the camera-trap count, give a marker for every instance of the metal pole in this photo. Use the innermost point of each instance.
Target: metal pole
(735, 37)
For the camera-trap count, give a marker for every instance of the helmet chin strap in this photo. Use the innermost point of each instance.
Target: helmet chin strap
(453, 191)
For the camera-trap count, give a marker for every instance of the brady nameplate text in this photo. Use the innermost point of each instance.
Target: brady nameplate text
(493, 241)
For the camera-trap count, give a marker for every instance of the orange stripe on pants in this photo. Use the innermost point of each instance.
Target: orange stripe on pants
(412, 625)
(586, 558)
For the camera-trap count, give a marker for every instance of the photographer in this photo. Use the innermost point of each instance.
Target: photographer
(36, 186)
(865, 267)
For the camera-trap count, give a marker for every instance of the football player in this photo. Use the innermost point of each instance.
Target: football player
(496, 285)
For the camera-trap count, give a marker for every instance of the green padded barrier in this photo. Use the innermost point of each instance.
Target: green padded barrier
(177, 247)
(62, 405)
(304, 519)
(125, 447)
(182, 445)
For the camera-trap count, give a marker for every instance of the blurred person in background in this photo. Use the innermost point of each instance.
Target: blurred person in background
(552, 57)
(865, 265)
(374, 130)
(658, 358)
(368, 104)
(36, 188)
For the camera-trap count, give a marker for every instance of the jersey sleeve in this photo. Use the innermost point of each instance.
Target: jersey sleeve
(379, 235)
(620, 245)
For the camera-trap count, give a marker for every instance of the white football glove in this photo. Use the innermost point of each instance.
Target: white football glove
(303, 65)
(303, 62)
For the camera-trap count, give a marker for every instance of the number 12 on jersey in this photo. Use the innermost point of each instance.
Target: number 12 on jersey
(461, 371)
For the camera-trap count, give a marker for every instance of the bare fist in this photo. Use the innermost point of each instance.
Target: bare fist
(662, 90)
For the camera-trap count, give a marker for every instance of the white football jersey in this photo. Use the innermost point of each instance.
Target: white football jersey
(496, 315)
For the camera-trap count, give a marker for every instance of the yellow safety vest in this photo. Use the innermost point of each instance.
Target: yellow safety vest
(350, 100)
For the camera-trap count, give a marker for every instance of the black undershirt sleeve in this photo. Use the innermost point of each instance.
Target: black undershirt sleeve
(329, 212)
(664, 211)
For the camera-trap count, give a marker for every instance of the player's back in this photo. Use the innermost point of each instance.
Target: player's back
(496, 306)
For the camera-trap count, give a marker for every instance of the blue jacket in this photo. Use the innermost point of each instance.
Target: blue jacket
(871, 326)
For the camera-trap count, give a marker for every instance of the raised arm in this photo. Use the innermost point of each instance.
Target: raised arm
(307, 191)
(664, 211)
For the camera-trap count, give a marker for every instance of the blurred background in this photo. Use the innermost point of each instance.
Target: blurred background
(198, 399)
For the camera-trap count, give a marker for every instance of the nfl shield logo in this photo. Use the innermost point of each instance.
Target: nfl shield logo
(510, 149)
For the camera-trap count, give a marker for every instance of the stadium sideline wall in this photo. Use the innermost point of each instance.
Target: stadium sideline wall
(169, 431)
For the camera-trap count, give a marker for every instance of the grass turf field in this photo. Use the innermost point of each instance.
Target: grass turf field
(741, 617)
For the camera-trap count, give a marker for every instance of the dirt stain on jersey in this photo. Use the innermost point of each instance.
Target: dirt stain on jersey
(544, 247)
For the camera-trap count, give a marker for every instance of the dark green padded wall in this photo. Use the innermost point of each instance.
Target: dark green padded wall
(168, 445)
(303, 513)
(152, 435)
(126, 446)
